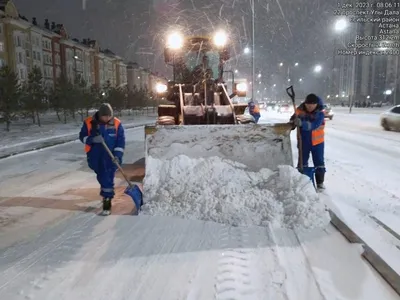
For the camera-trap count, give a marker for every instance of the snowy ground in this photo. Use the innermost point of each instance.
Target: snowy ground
(53, 245)
(27, 136)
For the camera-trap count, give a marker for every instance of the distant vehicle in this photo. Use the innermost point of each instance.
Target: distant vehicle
(270, 107)
(286, 109)
(376, 104)
(390, 119)
(328, 111)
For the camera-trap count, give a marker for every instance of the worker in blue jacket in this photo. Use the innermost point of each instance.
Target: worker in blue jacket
(254, 110)
(310, 118)
(99, 128)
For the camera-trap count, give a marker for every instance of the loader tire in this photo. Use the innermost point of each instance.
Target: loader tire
(166, 120)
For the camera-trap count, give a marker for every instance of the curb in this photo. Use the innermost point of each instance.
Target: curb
(53, 141)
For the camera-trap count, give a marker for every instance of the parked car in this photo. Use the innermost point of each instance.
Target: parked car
(328, 111)
(390, 119)
(286, 108)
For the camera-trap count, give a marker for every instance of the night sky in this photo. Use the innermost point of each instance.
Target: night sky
(286, 30)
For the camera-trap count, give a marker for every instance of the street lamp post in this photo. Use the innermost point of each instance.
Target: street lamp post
(253, 65)
(353, 73)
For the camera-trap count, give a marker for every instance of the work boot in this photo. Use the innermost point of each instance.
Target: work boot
(106, 205)
(319, 178)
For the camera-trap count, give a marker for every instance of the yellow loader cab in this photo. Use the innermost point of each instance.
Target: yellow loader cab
(197, 92)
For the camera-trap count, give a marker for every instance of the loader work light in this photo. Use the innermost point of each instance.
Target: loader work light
(220, 39)
(240, 89)
(161, 88)
(175, 41)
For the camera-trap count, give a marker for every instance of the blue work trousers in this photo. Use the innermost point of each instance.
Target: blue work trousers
(256, 116)
(317, 154)
(106, 181)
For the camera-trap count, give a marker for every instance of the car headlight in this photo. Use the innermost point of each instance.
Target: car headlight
(220, 39)
(161, 88)
(175, 41)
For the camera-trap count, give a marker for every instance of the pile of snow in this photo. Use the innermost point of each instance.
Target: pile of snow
(219, 190)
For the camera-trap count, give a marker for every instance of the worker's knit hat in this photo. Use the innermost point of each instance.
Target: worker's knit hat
(311, 99)
(105, 110)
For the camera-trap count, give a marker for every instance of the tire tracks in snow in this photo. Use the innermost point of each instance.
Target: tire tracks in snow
(245, 263)
(232, 279)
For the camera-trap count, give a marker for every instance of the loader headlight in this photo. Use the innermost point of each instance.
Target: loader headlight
(241, 87)
(220, 39)
(175, 41)
(161, 88)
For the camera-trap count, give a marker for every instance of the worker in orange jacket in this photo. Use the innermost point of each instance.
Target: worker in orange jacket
(310, 118)
(254, 111)
(103, 127)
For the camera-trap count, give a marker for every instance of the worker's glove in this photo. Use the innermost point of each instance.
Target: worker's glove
(118, 156)
(297, 122)
(98, 139)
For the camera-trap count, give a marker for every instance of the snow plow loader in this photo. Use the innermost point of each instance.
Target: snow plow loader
(202, 120)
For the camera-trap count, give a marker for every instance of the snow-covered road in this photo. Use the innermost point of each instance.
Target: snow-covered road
(121, 257)
(80, 255)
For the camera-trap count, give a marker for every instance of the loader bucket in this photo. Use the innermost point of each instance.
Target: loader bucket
(256, 146)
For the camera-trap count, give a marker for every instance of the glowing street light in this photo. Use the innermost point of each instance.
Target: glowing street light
(246, 50)
(317, 68)
(388, 92)
(296, 64)
(175, 41)
(220, 39)
(236, 71)
(341, 25)
(281, 64)
(300, 80)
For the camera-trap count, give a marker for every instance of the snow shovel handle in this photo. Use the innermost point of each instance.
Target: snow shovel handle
(292, 96)
(115, 161)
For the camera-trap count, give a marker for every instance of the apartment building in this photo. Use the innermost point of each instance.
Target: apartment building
(25, 44)
(121, 69)
(141, 78)
(373, 75)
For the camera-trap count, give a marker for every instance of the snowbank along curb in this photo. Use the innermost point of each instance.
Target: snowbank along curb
(51, 141)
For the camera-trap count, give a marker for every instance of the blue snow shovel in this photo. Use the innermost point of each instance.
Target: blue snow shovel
(308, 171)
(132, 190)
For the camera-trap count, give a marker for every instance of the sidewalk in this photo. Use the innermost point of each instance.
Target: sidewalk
(24, 136)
